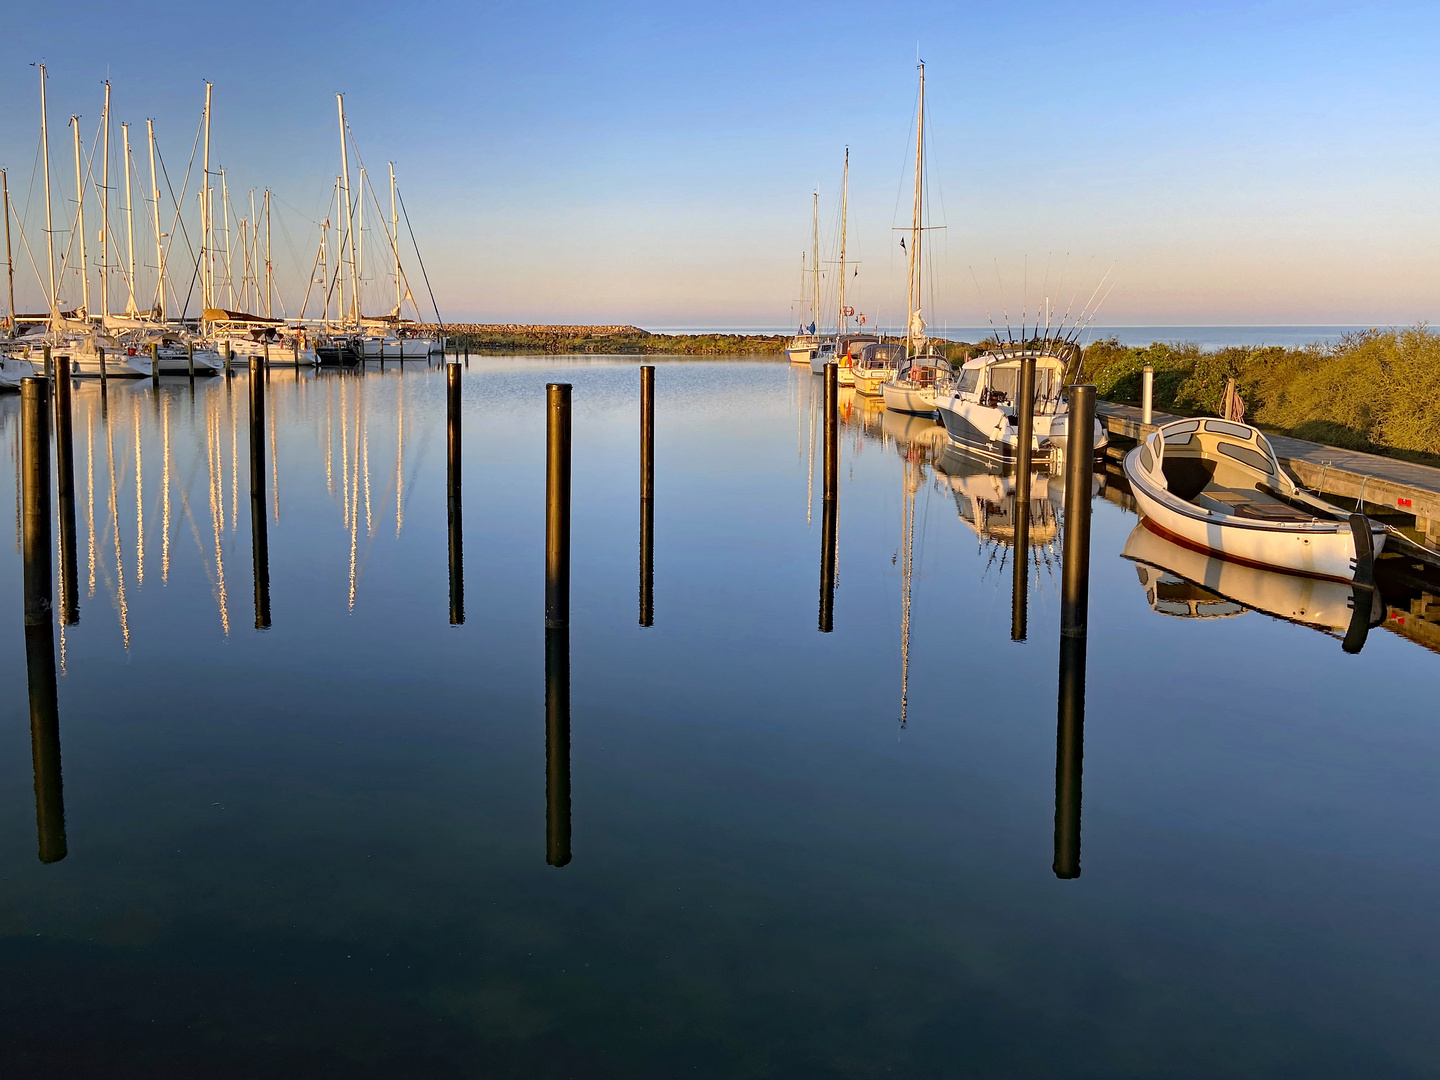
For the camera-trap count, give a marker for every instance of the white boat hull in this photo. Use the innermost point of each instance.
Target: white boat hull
(1319, 549)
(917, 401)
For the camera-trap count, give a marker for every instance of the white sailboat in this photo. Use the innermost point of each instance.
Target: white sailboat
(802, 346)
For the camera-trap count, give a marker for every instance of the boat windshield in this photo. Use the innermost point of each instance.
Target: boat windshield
(969, 380)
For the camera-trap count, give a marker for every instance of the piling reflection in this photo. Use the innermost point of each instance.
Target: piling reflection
(259, 535)
(39, 619)
(647, 495)
(453, 510)
(557, 745)
(1069, 755)
(829, 513)
(65, 493)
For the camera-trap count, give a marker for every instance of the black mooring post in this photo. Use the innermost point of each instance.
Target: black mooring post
(557, 745)
(647, 495)
(829, 510)
(832, 432)
(259, 526)
(1079, 458)
(1020, 584)
(557, 505)
(65, 493)
(452, 494)
(1069, 755)
(39, 617)
(830, 503)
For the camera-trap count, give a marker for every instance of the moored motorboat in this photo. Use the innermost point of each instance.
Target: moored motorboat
(876, 364)
(979, 405)
(1217, 486)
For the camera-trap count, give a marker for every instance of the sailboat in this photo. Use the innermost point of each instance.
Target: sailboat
(911, 389)
(846, 346)
(802, 346)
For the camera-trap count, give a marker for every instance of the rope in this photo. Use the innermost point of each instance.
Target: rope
(421, 261)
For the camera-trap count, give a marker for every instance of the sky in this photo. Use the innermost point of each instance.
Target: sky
(653, 163)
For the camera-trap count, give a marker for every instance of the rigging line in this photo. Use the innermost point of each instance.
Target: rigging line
(980, 292)
(420, 260)
(178, 221)
(1004, 309)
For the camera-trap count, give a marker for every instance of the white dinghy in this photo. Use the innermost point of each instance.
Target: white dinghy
(1216, 486)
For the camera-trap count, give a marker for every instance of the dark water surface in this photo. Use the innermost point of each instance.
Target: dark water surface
(320, 849)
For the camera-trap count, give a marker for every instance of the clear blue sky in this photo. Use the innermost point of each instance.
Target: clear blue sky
(653, 163)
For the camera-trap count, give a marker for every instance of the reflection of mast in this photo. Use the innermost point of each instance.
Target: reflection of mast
(90, 488)
(810, 483)
(121, 607)
(399, 445)
(139, 501)
(213, 451)
(165, 499)
(913, 477)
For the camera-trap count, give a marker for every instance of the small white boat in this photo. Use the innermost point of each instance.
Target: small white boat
(287, 348)
(912, 388)
(824, 354)
(1185, 583)
(83, 353)
(875, 365)
(978, 406)
(12, 370)
(800, 348)
(1216, 486)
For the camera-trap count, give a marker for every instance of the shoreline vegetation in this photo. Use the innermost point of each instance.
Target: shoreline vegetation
(516, 337)
(1377, 391)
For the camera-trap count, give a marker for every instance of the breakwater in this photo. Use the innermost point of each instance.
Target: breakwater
(517, 337)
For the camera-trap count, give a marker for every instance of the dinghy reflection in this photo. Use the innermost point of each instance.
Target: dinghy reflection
(1190, 584)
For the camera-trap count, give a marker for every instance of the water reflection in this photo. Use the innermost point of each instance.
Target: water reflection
(557, 745)
(1184, 583)
(1069, 755)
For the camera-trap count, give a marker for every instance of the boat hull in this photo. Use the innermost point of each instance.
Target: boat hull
(799, 354)
(917, 401)
(1321, 549)
(868, 384)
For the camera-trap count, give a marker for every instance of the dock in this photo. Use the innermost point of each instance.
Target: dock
(1401, 487)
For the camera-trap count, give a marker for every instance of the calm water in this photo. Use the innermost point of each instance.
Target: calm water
(320, 849)
(1207, 337)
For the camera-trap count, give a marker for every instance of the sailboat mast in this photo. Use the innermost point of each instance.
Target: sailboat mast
(339, 258)
(360, 227)
(815, 262)
(916, 229)
(395, 241)
(841, 322)
(269, 289)
(206, 217)
(9, 262)
(225, 218)
(80, 195)
(130, 308)
(159, 247)
(49, 229)
(105, 211)
(349, 221)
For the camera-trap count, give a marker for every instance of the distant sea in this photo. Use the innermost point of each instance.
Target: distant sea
(1207, 337)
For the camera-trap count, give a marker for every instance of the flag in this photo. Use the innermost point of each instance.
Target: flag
(902, 245)
(862, 320)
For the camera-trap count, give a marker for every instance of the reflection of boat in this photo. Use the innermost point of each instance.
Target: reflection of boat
(979, 412)
(985, 497)
(1216, 485)
(1191, 584)
(914, 435)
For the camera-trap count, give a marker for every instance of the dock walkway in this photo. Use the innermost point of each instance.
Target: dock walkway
(1400, 486)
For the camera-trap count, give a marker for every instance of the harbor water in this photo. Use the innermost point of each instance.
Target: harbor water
(327, 846)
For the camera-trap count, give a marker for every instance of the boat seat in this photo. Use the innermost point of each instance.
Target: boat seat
(1186, 477)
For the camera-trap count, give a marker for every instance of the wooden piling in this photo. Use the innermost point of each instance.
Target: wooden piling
(832, 432)
(647, 495)
(557, 745)
(49, 367)
(39, 614)
(557, 505)
(259, 525)
(1079, 455)
(104, 370)
(453, 493)
(1020, 568)
(190, 358)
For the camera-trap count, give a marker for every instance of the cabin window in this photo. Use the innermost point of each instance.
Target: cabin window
(1179, 438)
(969, 380)
(1147, 460)
(1003, 380)
(1253, 458)
(1184, 426)
(1224, 427)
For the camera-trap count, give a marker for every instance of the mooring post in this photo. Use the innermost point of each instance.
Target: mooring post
(647, 495)
(452, 489)
(1069, 756)
(104, 371)
(557, 745)
(832, 432)
(225, 355)
(190, 357)
(259, 526)
(65, 491)
(1147, 394)
(39, 615)
(49, 367)
(557, 505)
(266, 372)
(1020, 569)
(1079, 455)
(154, 363)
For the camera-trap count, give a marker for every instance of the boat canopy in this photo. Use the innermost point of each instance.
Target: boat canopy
(221, 315)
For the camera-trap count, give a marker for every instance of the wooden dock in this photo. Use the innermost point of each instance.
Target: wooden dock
(1400, 487)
